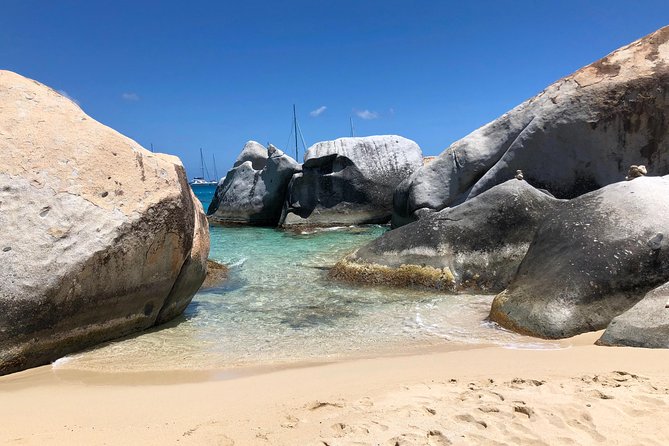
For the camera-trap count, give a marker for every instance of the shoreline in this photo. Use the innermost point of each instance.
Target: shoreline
(300, 405)
(166, 376)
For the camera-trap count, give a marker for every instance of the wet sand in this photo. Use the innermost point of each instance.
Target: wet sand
(580, 395)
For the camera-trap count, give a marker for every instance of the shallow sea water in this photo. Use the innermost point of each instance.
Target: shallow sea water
(278, 307)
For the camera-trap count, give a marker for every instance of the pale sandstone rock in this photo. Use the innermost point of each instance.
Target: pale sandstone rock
(99, 237)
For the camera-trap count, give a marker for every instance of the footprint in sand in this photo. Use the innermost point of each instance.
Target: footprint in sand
(599, 394)
(344, 429)
(436, 438)
(323, 404)
(431, 438)
(522, 409)
(584, 423)
(291, 422)
(470, 419)
(488, 409)
(520, 383)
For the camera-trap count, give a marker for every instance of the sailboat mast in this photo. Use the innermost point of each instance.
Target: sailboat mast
(213, 158)
(297, 156)
(201, 163)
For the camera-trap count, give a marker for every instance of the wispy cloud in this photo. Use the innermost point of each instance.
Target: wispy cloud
(130, 97)
(367, 114)
(319, 111)
(67, 95)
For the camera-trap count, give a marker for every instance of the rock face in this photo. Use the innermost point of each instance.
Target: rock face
(350, 181)
(217, 274)
(253, 191)
(579, 134)
(646, 324)
(476, 246)
(99, 237)
(254, 152)
(590, 261)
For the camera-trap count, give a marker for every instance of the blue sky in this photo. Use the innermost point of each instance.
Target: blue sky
(185, 75)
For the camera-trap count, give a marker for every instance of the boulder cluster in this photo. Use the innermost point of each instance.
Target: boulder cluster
(342, 182)
(561, 206)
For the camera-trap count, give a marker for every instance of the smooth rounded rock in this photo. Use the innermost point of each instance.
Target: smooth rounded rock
(101, 238)
(476, 246)
(253, 191)
(349, 181)
(591, 260)
(646, 324)
(576, 136)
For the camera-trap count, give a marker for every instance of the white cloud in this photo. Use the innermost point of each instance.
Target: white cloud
(130, 97)
(67, 95)
(319, 111)
(366, 114)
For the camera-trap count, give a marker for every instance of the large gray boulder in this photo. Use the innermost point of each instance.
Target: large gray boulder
(579, 134)
(475, 246)
(646, 324)
(349, 181)
(591, 260)
(253, 191)
(99, 238)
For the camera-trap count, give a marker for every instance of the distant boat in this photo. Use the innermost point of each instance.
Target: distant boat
(202, 179)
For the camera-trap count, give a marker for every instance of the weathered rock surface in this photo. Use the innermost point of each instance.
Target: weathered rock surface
(217, 274)
(591, 260)
(477, 245)
(350, 181)
(646, 324)
(253, 191)
(254, 152)
(99, 237)
(579, 134)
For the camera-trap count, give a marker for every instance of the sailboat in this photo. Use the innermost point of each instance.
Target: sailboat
(202, 179)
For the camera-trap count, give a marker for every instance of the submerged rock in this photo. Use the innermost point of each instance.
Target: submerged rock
(217, 274)
(350, 181)
(646, 324)
(591, 260)
(476, 246)
(579, 134)
(99, 237)
(253, 191)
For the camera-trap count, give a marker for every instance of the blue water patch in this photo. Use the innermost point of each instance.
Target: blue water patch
(205, 193)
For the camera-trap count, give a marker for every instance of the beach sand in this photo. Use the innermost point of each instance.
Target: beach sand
(580, 395)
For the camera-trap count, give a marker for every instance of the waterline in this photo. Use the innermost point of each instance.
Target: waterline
(278, 307)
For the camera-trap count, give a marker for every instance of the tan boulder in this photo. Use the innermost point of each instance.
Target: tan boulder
(99, 237)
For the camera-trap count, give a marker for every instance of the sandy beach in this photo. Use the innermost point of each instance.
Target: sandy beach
(579, 395)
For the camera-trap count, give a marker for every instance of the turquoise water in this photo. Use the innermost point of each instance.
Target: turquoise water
(278, 307)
